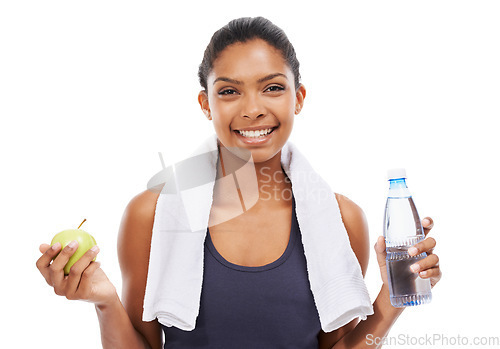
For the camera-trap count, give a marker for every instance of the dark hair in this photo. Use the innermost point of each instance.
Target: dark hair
(242, 30)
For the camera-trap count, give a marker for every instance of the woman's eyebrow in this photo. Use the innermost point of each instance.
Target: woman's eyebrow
(271, 76)
(237, 82)
(232, 81)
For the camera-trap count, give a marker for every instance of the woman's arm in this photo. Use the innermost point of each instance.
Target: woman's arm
(384, 314)
(369, 333)
(134, 242)
(357, 230)
(121, 324)
(117, 330)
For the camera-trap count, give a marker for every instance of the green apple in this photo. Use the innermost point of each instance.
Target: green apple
(85, 243)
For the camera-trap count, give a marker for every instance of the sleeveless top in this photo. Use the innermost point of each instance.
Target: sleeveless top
(269, 306)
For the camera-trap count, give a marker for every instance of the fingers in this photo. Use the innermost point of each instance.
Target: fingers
(425, 267)
(427, 224)
(77, 271)
(43, 263)
(427, 245)
(433, 273)
(380, 245)
(77, 284)
(57, 266)
(428, 268)
(380, 250)
(44, 247)
(85, 287)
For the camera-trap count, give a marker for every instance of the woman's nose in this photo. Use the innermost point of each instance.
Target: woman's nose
(253, 107)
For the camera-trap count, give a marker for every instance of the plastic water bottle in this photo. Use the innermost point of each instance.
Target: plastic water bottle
(403, 229)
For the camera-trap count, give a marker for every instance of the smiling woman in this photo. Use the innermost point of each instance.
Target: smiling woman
(258, 288)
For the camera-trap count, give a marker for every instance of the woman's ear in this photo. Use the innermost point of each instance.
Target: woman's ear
(300, 95)
(203, 101)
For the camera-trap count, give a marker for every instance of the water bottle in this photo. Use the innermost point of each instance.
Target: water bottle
(403, 229)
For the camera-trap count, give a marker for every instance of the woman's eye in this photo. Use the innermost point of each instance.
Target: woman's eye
(275, 88)
(227, 91)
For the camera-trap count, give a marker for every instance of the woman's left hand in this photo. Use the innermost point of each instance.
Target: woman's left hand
(427, 268)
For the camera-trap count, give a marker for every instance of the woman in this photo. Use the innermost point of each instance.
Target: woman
(251, 81)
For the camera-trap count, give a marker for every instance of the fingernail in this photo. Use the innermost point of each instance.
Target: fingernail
(413, 251)
(415, 268)
(426, 222)
(73, 244)
(56, 246)
(423, 273)
(95, 249)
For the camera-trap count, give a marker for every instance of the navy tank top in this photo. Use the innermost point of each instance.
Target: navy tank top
(269, 306)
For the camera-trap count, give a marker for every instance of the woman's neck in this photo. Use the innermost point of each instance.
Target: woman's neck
(262, 183)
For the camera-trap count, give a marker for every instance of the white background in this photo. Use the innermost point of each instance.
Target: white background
(91, 91)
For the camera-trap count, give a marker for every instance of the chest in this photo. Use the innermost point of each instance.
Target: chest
(267, 307)
(254, 238)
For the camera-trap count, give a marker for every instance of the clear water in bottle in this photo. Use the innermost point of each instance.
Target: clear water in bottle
(402, 229)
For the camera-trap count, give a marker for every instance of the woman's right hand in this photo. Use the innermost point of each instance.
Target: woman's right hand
(86, 280)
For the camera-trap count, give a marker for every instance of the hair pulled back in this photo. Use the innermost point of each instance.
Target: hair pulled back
(242, 30)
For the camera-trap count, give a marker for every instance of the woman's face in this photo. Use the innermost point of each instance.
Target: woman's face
(251, 98)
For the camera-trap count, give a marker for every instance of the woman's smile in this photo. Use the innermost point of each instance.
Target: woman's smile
(256, 135)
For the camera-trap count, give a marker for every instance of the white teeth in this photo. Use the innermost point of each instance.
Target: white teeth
(255, 134)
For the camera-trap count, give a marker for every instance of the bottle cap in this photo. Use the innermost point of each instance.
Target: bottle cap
(396, 173)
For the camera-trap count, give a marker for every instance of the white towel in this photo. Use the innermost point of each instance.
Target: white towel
(175, 274)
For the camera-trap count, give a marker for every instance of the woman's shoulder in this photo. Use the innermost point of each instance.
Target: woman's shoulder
(136, 226)
(349, 210)
(357, 229)
(142, 206)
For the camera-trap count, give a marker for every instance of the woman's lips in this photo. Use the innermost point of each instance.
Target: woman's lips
(256, 140)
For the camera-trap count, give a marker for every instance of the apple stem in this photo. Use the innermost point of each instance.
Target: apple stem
(82, 223)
